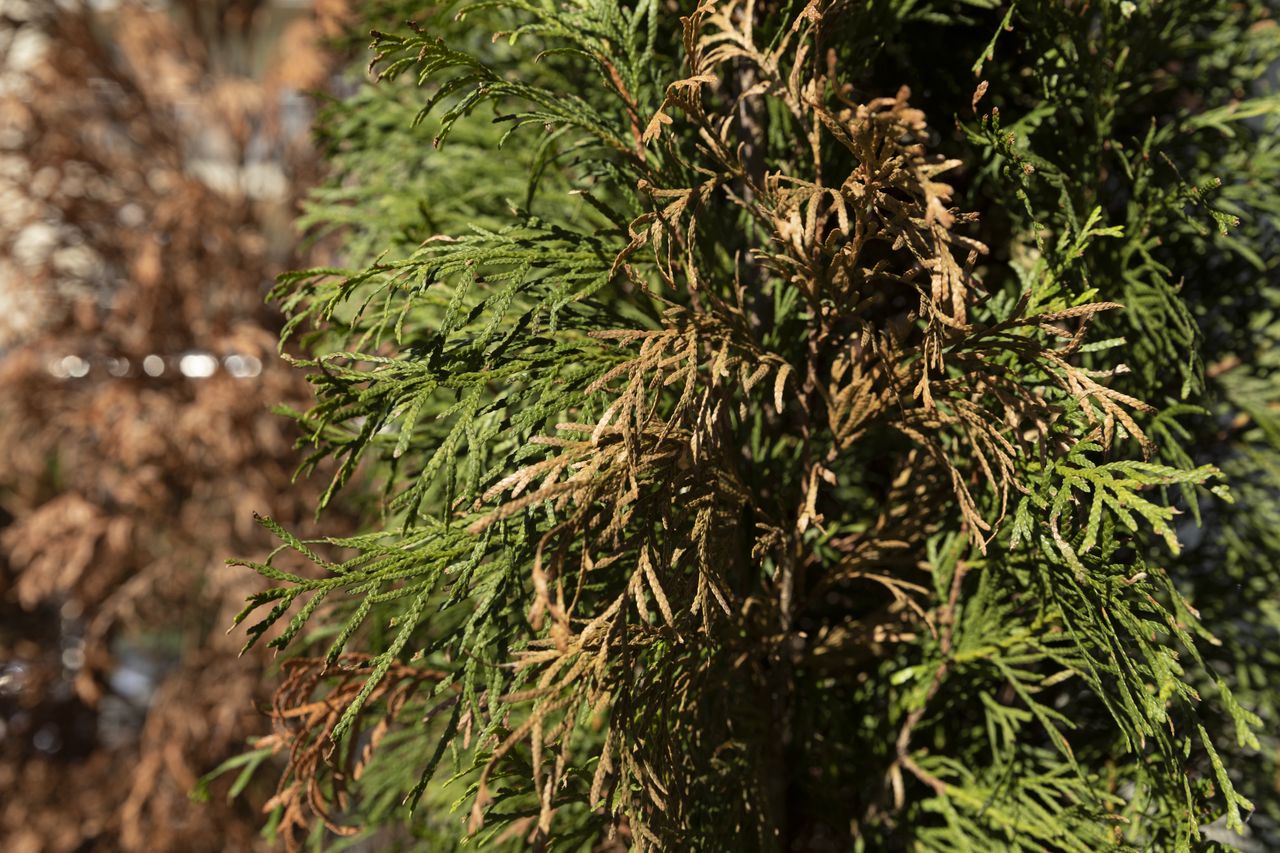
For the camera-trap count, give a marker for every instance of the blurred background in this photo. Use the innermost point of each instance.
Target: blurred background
(152, 157)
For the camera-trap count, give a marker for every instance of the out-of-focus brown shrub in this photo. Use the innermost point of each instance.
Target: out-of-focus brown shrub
(150, 160)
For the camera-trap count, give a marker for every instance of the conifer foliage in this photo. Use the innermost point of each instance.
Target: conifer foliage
(790, 415)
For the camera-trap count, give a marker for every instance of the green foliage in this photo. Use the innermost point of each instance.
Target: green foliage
(761, 468)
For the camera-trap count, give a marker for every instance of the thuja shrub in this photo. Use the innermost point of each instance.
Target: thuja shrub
(805, 427)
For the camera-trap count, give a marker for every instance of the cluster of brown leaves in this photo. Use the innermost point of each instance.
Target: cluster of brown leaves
(148, 182)
(315, 782)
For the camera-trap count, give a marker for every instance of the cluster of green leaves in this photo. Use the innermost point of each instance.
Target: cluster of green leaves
(748, 486)
(1163, 117)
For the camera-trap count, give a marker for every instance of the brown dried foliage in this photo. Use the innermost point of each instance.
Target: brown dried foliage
(135, 225)
(308, 704)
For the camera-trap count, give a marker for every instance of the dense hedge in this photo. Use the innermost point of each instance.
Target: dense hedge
(803, 426)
